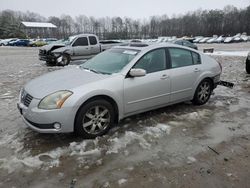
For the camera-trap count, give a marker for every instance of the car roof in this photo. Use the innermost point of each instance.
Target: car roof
(153, 46)
(84, 35)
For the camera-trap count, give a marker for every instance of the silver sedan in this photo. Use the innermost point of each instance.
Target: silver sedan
(115, 84)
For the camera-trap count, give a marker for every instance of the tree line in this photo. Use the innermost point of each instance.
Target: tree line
(228, 21)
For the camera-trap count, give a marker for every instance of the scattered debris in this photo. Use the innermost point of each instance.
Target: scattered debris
(73, 183)
(213, 150)
(226, 84)
(226, 159)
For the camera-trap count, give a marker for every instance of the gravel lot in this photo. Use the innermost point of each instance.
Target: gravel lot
(177, 146)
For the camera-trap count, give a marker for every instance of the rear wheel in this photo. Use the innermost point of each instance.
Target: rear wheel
(203, 92)
(94, 119)
(248, 66)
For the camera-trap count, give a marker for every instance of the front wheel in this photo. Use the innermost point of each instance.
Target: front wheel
(248, 66)
(65, 60)
(203, 92)
(94, 119)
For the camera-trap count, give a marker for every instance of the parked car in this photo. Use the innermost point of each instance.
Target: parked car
(213, 39)
(82, 46)
(38, 43)
(204, 40)
(228, 39)
(50, 40)
(220, 39)
(186, 43)
(248, 64)
(197, 39)
(5, 42)
(115, 84)
(19, 42)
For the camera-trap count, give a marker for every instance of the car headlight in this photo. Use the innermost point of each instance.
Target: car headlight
(54, 100)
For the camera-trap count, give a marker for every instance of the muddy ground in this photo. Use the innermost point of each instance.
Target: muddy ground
(177, 146)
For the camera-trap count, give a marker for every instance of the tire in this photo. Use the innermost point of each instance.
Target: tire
(65, 60)
(94, 119)
(49, 63)
(248, 66)
(203, 92)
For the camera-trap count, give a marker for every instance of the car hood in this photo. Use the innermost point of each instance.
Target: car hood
(62, 49)
(65, 79)
(50, 46)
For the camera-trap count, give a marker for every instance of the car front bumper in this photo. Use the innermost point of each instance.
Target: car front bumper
(46, 56)
(43, 121)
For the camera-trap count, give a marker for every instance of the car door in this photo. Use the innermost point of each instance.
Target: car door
(185, 70)
(81, 47)
(151, 90)
(94, 45)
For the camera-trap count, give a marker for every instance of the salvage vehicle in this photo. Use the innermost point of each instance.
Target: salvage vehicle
(186, 43)
(248, 64)
(117, 83)
(83, 46)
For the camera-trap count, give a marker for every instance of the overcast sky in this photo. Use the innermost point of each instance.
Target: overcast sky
(129, 8)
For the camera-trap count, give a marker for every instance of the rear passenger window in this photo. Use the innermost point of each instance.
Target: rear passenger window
(92, 40)
(180, 57)
(196, 58)
(82, 41)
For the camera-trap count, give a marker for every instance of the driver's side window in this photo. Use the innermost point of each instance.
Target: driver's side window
(81, 41)
(153, 61)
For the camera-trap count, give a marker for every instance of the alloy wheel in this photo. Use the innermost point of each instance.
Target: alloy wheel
(96, 120)
(204, 91)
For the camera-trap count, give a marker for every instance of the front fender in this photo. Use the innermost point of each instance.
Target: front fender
(106, 93)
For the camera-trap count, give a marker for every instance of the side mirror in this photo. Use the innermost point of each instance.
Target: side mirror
(137, 72)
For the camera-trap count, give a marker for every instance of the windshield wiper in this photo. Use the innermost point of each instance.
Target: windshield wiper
(95, 71)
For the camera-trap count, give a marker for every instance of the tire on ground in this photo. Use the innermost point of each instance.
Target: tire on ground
(85, 109)
(248, 66)
(202, 95)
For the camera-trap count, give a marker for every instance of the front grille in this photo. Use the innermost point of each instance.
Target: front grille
(26, 98)
(42, 52)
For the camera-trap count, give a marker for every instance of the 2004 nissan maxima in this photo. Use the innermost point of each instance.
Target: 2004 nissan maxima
(117, 83)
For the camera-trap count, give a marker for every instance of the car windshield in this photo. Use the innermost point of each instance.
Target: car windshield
(69, 40)
(110, 61)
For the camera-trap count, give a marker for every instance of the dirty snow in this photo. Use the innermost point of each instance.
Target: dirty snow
(229, 53)
(122, 181)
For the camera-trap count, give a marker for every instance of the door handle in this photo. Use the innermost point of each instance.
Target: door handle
(197, 70)
(164, 77)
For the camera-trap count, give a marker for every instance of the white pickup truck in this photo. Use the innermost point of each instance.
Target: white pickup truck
(83, 46)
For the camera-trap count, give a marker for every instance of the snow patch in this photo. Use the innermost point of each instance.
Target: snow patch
(229, 53)
(129, 137)
(191, 160)
(122, 181)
